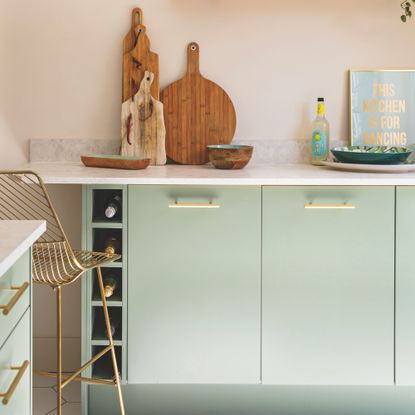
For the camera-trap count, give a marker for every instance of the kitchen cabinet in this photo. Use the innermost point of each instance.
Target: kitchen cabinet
(15, 355)
(328, 285)
(279, 285)
(405, 285)
(17, 236)
(16, 339)
(17, 276)
(194, 279)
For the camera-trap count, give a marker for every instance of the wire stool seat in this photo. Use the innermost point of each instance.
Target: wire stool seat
(53, 265)
(23, 196)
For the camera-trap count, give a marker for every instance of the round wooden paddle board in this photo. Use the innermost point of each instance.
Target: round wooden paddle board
(197, 113)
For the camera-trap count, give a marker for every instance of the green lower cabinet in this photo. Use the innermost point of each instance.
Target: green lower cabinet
(13, 354)
(16, 339)
(405, 285)
(328, 286)
(194, 284)
(16, 276)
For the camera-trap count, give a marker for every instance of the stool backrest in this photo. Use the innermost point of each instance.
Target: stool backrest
(23, 196)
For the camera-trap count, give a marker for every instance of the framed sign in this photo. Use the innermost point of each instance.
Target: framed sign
(382, 107)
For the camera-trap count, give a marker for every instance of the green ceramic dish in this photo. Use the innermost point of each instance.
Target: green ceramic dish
(371, 154)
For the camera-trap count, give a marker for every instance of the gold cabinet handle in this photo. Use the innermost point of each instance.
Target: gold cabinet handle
(20, 372)
(194, 206)
(329, 206)
(19, 292)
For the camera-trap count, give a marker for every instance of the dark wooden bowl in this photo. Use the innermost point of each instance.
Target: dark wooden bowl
(230, 156)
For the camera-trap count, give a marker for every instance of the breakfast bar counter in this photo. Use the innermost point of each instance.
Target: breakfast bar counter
(16, 237)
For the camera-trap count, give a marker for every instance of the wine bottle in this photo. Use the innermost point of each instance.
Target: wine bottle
(112, 245)
(320, 137)
(113, 206)
(110, 285)
(114, 323)
(114, 378)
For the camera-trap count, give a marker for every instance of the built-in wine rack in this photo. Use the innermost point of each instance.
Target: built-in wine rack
(98, 230)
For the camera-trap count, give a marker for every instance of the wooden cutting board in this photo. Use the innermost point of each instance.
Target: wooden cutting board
(130, 38)
(142, 125)
(138, 58)
(197, 113)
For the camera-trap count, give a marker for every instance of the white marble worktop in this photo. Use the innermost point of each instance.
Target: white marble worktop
(16, 237)
(253, 174)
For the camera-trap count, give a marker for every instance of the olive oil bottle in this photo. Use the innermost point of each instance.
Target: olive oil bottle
(320, 136)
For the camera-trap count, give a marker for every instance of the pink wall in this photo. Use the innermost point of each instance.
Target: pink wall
(60, 77)
(60, 72)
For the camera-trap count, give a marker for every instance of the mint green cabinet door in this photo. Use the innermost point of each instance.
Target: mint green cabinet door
(194, 284)
(405, 285)
(13, 354)
(328, 285)
(18, 277)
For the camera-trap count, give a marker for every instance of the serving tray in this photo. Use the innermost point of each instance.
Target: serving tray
(371, 168)
(115, 162)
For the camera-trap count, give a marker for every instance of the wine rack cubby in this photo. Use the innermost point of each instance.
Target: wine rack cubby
(99, 331)
(108, 273)
(102, 369)
(98, 229)
(101, 198)
(104, 237)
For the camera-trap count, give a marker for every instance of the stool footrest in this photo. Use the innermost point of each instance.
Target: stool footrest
(86, 365)
(78, 378)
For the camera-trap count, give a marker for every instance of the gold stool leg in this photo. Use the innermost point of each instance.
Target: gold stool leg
(59, 348)
(113, 355)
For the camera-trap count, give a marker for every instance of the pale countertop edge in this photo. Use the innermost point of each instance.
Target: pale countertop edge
(253, 175)
(21, 234)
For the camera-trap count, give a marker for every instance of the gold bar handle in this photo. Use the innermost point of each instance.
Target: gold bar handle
(329, 206)
(194, 206)
(20, 372)
(19, 292)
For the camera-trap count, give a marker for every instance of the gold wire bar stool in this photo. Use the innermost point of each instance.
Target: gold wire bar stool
(23, 196)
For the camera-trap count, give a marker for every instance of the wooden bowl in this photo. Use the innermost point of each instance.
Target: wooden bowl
(115, 162)
(230, 156)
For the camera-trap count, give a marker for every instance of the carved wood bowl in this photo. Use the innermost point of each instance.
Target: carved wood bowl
(230, 157)
(115, 162)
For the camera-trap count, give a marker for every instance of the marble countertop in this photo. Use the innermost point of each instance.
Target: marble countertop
(267, 175)
(16, 236)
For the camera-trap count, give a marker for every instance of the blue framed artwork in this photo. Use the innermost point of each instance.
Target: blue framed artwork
(382, 107)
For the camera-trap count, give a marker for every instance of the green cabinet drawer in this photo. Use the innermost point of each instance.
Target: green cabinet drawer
(405, 285)
(328, 285)
(15, 371)
(18, 278)
(194, 284)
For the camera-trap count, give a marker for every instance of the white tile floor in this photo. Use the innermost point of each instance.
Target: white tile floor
(44, 397)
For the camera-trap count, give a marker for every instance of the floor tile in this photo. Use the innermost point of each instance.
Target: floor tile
(68, 409)
(44, 400)
(72, 392)
(43, 382)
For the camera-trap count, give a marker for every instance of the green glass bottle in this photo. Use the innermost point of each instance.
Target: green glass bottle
(320, 136)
